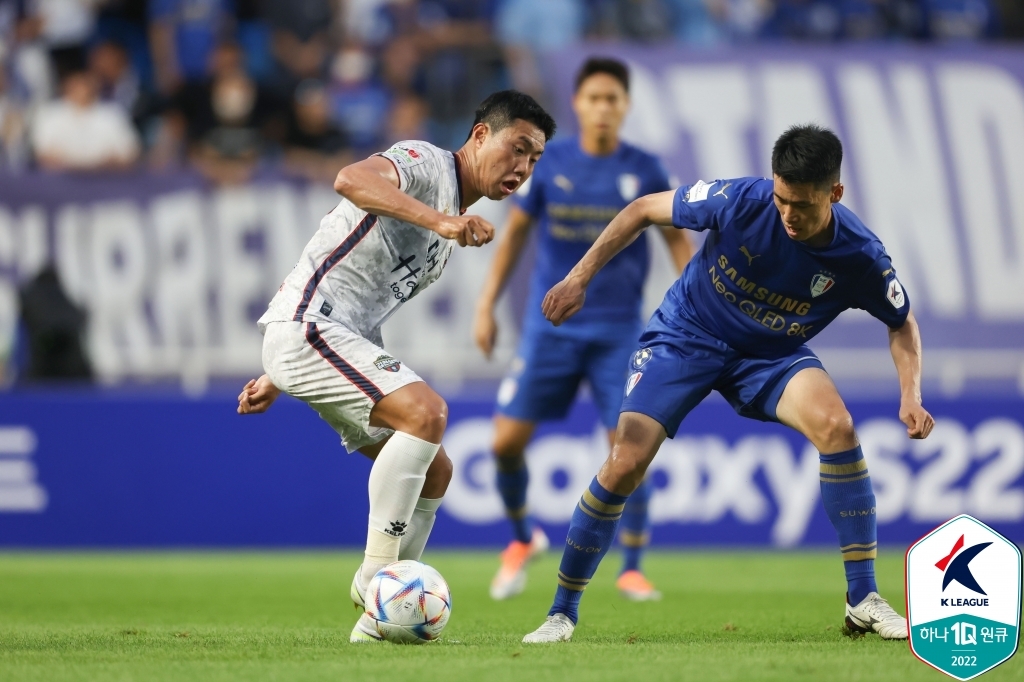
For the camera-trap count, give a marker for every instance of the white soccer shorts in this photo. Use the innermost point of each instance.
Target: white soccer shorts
(335, 371)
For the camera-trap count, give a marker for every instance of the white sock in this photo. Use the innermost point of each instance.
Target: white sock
(396, 480)
(419, 528)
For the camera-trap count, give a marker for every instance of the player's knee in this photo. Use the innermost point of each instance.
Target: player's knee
(427, 419)
(836, 432)
(509, 451)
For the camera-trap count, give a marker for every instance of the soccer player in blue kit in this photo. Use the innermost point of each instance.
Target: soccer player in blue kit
(579, 186)
(783, 258)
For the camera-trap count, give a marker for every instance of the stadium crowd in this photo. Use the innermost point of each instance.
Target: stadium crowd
(227, 86)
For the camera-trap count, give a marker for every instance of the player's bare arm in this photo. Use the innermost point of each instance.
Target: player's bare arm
(905, 346)
(510, 247)
(566, 298)
(679, 247)
(257, 396)
(373, 185)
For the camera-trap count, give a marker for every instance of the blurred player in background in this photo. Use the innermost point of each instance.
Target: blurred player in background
(581, 184)
(389, 238)
(782, 260)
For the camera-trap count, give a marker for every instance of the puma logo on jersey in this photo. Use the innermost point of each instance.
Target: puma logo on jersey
(563, 183)
(743, 250)
(721, 192)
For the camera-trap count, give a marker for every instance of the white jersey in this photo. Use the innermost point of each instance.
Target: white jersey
(359, 268)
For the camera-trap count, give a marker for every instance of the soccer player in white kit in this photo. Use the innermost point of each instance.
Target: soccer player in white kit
(389, 238)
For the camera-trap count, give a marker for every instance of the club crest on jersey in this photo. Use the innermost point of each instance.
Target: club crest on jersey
(821, 283)
(894, 292)
(387, 363)
(641, 357)
(629, 186)
(633, 380)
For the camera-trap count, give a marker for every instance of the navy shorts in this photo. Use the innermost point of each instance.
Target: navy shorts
(549, 367)
(676, 368)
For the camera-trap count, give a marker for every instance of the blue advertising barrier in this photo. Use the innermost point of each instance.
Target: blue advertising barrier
(123, 469)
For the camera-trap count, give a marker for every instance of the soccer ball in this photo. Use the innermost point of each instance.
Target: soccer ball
(409, 601)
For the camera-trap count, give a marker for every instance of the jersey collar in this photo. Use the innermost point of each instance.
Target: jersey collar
(458, 182)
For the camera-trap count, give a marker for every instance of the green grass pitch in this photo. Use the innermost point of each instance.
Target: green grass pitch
(286, 616)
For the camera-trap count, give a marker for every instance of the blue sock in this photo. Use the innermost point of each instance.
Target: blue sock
(590, 534)
(635, 533)
(850, 505)
(512, 483)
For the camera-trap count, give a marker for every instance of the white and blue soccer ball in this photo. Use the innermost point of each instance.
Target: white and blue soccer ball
(409, 601)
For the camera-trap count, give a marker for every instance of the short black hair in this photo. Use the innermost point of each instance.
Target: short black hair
(613, 67)
(808, 154)
(502, 108)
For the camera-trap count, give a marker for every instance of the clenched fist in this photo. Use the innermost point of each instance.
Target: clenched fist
(257, 396)
(467, 230)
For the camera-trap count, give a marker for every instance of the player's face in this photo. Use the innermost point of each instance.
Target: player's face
(600, 104)
(507, 157)
(806, 209)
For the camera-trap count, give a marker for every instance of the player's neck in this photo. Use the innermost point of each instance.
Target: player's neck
(598, 145)
(825, 236)
(469, 185)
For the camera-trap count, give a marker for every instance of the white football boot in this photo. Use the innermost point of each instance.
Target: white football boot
(365, 629)
(511, 577)
(874, 614)
(556, 628)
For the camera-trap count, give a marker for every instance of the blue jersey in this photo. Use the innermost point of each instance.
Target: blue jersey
(763, 293)
(573, 196)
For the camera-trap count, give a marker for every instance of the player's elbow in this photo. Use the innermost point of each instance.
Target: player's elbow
(652, 209)
(343, 183)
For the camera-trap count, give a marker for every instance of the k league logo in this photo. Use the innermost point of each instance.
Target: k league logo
(963, 598)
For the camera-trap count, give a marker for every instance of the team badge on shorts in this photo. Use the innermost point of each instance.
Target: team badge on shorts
(894, 292)
(387, 363)
(641, 357)
(963, 598)
(821, 283)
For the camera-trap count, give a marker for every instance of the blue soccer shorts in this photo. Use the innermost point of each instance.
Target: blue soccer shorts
(549, 367)
(676, 368)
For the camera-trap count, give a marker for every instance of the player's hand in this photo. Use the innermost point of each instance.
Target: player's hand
(564, 300)
(919, 422)
(257, 396)
(485, 331)
(467, 230)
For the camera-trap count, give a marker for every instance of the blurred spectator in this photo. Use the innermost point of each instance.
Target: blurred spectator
(227, 119)
(125, 24)
(64, 23)
(183, 35)
(642, 21)
(54, 325)
(116, 77)
(443, 50)
(819, 20)
(78, 132)
(959, 19)
(12, 126)
(359, 103)
(408, 119)
(300, 39)
(701, 23)
(528, 28)
(316, 148)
